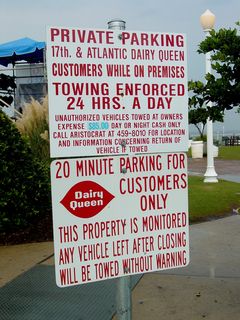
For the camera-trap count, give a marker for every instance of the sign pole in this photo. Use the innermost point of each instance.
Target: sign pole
(123, 295)
(124, 298)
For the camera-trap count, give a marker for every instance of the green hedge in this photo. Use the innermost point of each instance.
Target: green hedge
(24, 183)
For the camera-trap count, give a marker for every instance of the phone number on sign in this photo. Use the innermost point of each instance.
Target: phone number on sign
(120, 133)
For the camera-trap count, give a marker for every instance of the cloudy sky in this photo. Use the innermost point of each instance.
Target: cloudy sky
(27, 18)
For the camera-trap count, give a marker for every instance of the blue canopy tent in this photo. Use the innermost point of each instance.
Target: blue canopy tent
(25, 49)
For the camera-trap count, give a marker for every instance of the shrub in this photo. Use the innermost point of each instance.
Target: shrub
(24, 184)
(33, 125)
(201, 138)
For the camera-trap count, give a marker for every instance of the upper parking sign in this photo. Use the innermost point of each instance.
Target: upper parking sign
(116, 92)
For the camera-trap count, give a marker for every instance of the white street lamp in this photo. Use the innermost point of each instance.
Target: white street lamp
(207, 20)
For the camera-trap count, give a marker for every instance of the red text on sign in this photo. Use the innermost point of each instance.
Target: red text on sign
(81, 36)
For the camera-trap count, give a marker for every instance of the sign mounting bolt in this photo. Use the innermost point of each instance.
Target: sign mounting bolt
(123, 143)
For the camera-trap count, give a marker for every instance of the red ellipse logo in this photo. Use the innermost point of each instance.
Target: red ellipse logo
(86, 199)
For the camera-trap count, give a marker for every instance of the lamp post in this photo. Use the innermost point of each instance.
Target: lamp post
(207, 20)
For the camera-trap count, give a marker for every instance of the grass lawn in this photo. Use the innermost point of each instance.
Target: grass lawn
(229, 152)
(212, 200)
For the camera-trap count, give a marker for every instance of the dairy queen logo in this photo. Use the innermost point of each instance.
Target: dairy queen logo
(86, 199)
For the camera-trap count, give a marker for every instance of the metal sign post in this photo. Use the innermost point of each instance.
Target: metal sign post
(123, 295)
(124, 298)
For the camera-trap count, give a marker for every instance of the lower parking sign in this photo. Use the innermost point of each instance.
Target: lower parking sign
(116, 216)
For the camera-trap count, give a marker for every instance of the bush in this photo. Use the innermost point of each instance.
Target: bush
(25, 183)
(33, 125)
(200, 138)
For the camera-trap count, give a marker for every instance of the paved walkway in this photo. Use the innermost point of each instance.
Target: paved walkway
(225, 169)
(209, 288)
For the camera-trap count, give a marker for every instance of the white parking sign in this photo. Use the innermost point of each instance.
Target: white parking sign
(116, 92)
(116, 216)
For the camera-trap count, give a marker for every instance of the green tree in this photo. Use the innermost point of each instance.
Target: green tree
(223, 85)
(198, 110)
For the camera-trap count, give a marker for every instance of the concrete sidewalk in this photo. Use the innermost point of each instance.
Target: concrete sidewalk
(225, 169)
(16, 259)
(208, 288)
